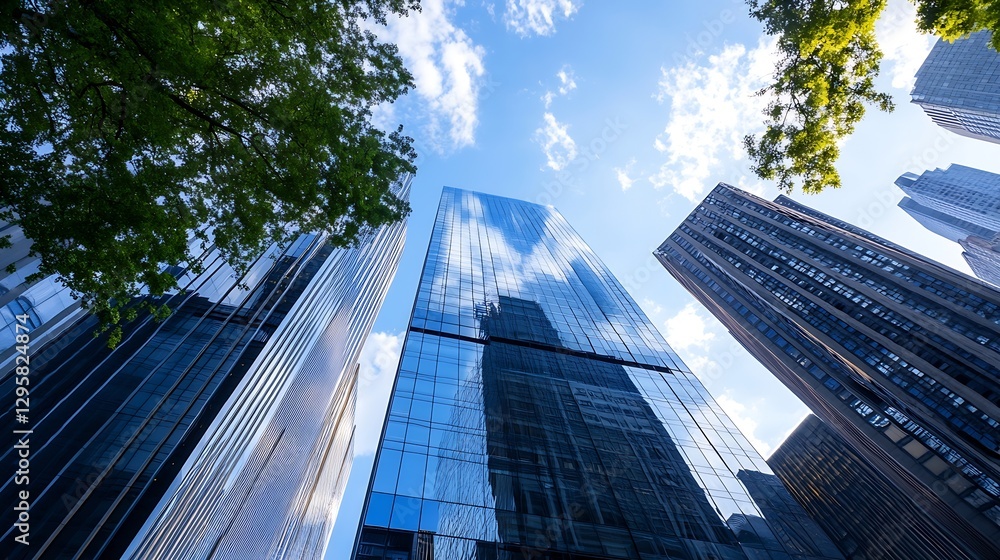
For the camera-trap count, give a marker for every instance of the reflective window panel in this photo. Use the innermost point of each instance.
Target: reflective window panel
(537, 413)
(224, 431)
(957, 87)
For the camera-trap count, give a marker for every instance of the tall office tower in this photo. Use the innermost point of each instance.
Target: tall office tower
(983, 256)
(224, 431)
(945, 225)
(966, 198)
(537, 413)
(958, 86)
(856, 505)
(47, 307)
(961, 204)
(899, 354)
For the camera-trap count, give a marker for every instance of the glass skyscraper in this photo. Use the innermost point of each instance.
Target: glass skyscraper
(983, 256)
(958, 86)
(961, 204)
(46, 305)
(897, 353)
(224, 431)
(959, 192)
(865, 514)
(945, 225)
(537, 413)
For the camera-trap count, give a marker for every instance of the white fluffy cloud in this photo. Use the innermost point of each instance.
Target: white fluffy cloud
(567, 83)
(537, 17)
(651, 307)
(377, 371)
(688, 329)
(745, 419)
(447, 69)
(559, 147)
(751, 185)
(622, 173)
(712, 107)
(903, 47)
(702, 367)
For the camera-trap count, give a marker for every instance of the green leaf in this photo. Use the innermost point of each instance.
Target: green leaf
(823, 82)
(132, 126)
(825, 79)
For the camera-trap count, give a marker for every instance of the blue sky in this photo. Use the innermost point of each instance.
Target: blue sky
(623, 115)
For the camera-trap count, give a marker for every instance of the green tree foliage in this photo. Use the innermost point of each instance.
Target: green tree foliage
(953, 19)
(824, 78)
(129, 125)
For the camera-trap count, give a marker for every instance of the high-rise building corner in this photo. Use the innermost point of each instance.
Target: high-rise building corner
(537, 413)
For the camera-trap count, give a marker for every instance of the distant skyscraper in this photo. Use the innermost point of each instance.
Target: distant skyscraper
(958, 193)
(983, 256)
(958, 86)
(538, 414)
(786, 515)
(225, 431)
(901, 355)
(949, 227)
(961, 204)
(860, 509)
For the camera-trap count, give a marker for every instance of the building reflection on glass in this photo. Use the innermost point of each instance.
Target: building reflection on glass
(572, 439)
(188, 439)
(790, 522)
(538, 414)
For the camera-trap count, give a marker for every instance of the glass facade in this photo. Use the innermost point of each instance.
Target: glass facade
(48, 305)
(983, 257)
(224, 431)
(958, 86)
(899, 354)
(537, 413)
(935, 221)
(965, 194)
(783, 512)
(865, 514)
(961, 204)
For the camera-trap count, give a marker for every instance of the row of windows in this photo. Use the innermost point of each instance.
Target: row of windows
(523, 432)
(829, 479)
(516, 247)
(920, 279)
(878, 420)
(896, 370)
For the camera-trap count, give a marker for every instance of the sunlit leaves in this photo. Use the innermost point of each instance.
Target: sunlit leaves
(129, 125)
(953, 19)
(825, 78)
(823, 81)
